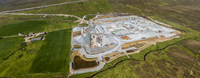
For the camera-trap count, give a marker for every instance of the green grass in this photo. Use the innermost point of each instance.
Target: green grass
(181, 12)
(19, 63)
(184, 13)
(54, 53)
(56, 23)
(78, 9)
(25, 27)
(6, 46)
(19, 4)
(52, 22)
(9, 19)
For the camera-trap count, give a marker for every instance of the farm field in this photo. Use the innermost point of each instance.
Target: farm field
(52, 22)
(19, 63)
(54, 54)
(25, 27)
(5, 50)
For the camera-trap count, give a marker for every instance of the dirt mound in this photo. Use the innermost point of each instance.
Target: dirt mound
(76, 33)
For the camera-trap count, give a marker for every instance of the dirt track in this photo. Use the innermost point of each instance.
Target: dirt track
(41, 6)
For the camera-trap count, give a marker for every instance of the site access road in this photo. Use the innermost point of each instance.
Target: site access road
(40, 7)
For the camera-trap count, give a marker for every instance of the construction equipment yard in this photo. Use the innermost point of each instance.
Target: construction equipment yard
(110, 36)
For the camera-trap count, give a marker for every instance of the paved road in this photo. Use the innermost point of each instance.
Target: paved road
(41, 6)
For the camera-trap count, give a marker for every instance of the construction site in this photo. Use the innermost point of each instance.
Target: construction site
(110, 36)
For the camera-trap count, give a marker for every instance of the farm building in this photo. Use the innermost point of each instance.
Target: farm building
(36, 39)
(21, 34)
(30, 34)
(43, 33)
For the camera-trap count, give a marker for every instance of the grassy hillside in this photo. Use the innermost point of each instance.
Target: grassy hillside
(183, 12)
(78, 9)
(25, 27)
(7, 46)
(27, 24)
(19, 4)
(54, 54)
(19, 63)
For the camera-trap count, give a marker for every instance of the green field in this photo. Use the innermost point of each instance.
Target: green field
(54, 54)
(19, 63)
(7, 45)
(25, 27)
(83, 8)
(52, 22)
(19, 4)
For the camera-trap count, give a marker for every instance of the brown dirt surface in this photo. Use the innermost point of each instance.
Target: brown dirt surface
(192, 45)
(74, 34)
(147, 71)
(87, 59)
(133, 63)
(178, 50)
(107, 58)
(148, 68)
(130, 51)
(106, 16)
(127, 45)
(77, 46)
(182, 62)
(162, 66)
(142, 74)
(80, 63)
(184, 56)
(186, 73)
(75, 53)
(196, 73)
(125, 38)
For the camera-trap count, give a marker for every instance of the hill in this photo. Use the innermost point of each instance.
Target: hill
(19, 4)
